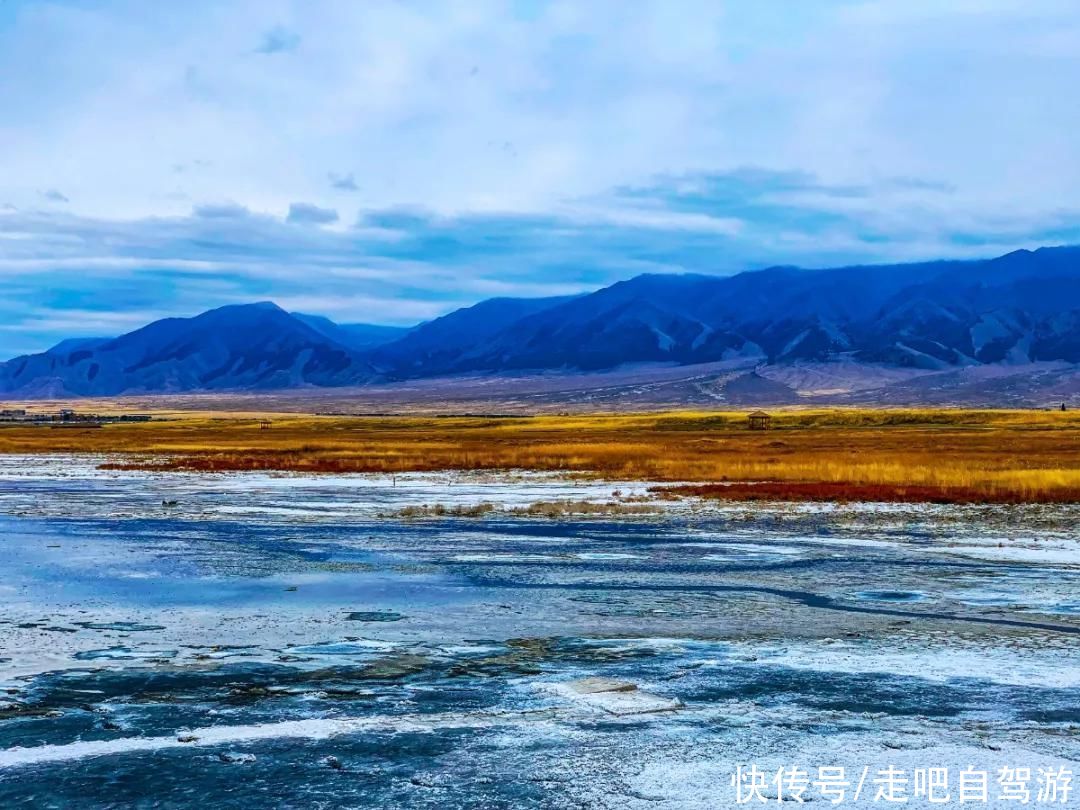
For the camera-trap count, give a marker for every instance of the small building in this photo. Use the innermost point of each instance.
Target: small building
(759, 420)
(265, 424)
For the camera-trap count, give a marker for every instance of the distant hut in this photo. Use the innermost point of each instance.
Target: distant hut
(265, 424)
(759, 420)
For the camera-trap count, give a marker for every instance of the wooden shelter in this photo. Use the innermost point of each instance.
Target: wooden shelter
(265, 424)
(759, 420)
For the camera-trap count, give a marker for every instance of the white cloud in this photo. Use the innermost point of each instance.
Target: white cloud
(308, 214)
(471, 106)
(139, 115)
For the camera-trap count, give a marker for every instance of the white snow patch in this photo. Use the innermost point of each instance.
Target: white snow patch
(1053, 666)
(312, 729)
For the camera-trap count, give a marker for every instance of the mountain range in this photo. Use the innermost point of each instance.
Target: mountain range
(1014, 313)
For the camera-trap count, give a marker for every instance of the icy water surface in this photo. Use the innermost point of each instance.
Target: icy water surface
(288, 641)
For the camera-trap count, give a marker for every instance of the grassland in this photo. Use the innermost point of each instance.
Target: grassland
(942, 455)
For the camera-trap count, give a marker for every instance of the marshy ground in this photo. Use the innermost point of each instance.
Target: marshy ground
(936, 455)
(309, 640)
(341, 611)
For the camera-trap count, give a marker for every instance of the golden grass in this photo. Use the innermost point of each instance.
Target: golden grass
(980, 454)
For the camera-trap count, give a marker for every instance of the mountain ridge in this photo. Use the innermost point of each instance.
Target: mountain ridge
(1013, 310)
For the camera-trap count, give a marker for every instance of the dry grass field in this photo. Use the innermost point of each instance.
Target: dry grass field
(942, 455)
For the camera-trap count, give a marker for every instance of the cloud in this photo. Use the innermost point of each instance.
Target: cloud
(399, 265)
(52, 195)
(422, 100)
(221, 211)
(343, 182)
(524, 147)
(306, 214)
(278, 40)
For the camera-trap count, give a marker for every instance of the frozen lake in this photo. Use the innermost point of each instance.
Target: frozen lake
(294, 641)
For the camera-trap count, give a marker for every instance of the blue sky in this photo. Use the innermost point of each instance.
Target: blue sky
(388, 161)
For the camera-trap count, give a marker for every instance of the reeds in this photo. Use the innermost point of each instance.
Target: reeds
(949, 454)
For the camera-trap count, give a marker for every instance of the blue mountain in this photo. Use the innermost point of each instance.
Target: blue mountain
(359, 336)
(69, 345)
(1015, 310)
(252, 346)
(450, 341)
(1019, 308)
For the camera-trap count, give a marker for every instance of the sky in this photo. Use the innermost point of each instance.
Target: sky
(388, 161)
